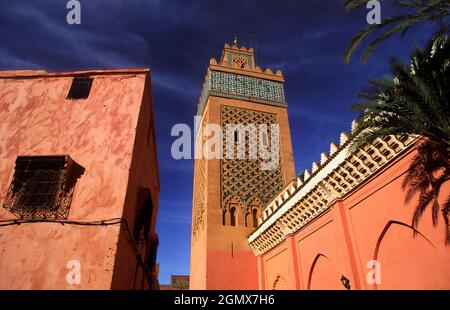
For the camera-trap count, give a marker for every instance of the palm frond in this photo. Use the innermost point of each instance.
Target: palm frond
(414, 101)
(353, 4)
(434, 11)
(424, 200)
(360, 36)
(404, 24)
(445, 215)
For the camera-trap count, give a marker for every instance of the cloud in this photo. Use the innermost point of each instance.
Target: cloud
(7, 60)
(177, 84)
(174, 217)
(317, 115)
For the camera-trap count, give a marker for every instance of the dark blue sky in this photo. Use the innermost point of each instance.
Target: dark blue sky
(305, 39)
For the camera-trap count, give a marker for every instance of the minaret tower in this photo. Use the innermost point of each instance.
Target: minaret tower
(230, 193)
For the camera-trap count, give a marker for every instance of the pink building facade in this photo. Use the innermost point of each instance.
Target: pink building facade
(79, 180)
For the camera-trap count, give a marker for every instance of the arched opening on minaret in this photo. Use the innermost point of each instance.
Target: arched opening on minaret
(233, 216)
(224, 217)
(255, 218)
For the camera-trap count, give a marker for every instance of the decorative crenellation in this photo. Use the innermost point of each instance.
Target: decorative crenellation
(284, 194)
(315, 166)
(323, 158)
(343, 138)
(268, 72)
(310, 195)
(306, 175)
(240, 60)
(238, 57)
(333, 148)
(354, 125)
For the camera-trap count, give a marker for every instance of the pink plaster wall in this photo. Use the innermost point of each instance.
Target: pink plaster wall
(379, 221)
(321, 251)
(231, 271)
(99, 134)
(370, 223)
(143, 174)
(277, 271)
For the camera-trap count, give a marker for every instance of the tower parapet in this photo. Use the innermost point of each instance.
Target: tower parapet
(236, 76)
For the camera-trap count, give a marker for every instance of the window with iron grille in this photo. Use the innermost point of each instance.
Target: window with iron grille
(42, 187)
(80, 89)
(143, 218)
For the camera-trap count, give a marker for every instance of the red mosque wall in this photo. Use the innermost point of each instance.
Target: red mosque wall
(370, 223)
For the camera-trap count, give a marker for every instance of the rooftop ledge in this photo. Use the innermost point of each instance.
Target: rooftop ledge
(44, 73)
(267, 74)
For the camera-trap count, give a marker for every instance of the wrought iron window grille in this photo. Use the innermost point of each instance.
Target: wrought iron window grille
(42, 187)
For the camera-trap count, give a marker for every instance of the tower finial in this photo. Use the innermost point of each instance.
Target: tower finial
(235, 42)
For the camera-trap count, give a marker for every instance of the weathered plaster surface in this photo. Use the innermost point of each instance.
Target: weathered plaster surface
(99, 134)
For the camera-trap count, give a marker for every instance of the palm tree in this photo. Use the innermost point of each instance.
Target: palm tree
(415, 102)
(429, 170)
(418, 11)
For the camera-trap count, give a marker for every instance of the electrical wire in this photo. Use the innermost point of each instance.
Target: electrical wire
(107, 222)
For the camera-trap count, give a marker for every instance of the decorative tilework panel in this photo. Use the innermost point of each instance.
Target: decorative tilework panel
(244, 177)
(237, 86)
(247, 86)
